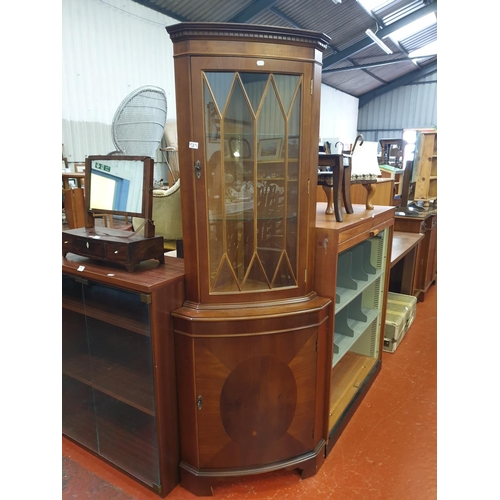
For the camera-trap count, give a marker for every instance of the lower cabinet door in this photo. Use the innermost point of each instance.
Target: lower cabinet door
(255, 398)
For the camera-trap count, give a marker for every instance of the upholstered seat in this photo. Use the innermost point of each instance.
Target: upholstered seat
(166, 214)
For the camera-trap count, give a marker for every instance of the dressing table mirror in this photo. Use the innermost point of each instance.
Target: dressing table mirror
(116, 186)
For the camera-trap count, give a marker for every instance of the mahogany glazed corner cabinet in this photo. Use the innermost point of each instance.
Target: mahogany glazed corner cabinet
(250, 335)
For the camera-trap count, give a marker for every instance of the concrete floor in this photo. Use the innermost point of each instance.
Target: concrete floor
(387, 451)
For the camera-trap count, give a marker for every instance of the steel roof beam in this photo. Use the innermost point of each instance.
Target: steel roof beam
(247, 14)
(404, 80)
(286, 18)
(373, 65)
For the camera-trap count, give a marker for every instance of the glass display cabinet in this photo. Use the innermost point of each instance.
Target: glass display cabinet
(118, 370)
(250, 379)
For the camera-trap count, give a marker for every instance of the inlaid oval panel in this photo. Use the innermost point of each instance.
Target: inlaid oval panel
(258, 401)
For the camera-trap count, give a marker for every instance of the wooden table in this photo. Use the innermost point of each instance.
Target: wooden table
(332, 182)
(336, 182)
(403, 262)
(424, 223)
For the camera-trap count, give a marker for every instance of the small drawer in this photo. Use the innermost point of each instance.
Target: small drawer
(88, 247)
(353, 236)
(117, 252)
(67, 243)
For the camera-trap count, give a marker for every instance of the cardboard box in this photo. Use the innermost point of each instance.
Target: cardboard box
(400, 314)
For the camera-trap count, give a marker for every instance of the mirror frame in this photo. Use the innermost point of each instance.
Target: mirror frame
(147, 189)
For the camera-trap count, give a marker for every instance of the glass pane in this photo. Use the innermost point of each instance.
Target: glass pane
(253, 139)
(122, 378)
(254, 84)
(271, 182)
(127, 437)
(78, 414)
(293, 155)
(287, 86)
(220, 84)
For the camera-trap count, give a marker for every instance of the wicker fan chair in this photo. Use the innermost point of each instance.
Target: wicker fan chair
(139, 122)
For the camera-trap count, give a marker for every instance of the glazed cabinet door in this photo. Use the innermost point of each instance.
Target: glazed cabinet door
(250, 175)
(78, 403)
(255, 398)
(108, 388)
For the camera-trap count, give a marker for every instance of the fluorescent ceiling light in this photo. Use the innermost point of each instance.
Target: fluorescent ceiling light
(337, 1)
(378, 41)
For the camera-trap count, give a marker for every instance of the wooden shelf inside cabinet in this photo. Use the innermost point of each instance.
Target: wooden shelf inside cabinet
(349, 331)
(113, 379)
(131, 451)
(346, 381)
(99, 313)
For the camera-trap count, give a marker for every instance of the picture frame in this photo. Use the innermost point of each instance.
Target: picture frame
(269, 149)
(293, 147)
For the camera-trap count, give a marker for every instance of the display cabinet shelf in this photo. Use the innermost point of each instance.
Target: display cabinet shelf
(351, 375)
(344, 295)
(126, 435)
(352, 262)
(350, 333)
(99, 313)
(121, 382)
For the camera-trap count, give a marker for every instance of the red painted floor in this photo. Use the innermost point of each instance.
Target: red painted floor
(387, 451)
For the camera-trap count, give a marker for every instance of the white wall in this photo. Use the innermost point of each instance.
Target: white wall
(109, 48)
(338, 115)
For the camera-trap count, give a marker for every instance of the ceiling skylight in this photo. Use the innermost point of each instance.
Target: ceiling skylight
(370, 5)
(414, 27)
(428, 50)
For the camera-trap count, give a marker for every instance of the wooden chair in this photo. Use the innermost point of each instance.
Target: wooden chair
(336, 175)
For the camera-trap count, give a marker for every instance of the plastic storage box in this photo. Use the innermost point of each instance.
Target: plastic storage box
(401, 311)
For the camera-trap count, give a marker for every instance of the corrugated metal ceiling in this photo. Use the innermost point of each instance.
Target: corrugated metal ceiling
(353, 63)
